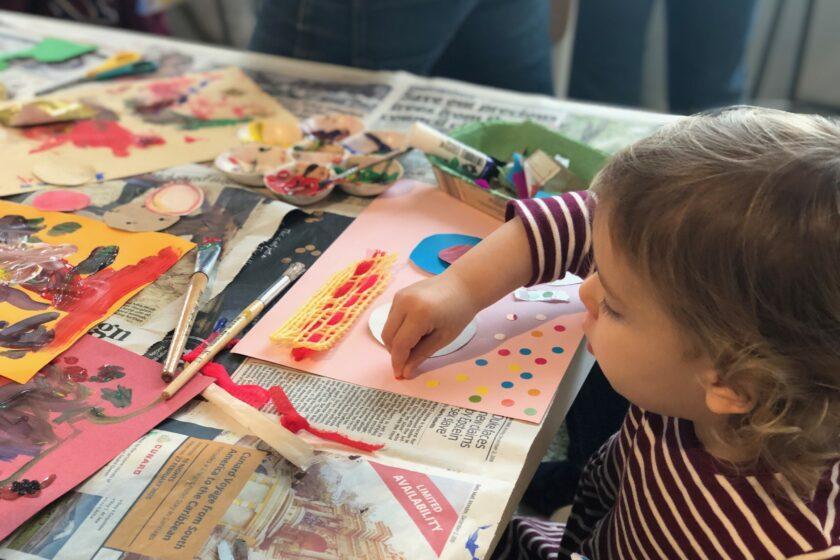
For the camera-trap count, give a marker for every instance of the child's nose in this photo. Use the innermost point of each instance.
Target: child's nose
(588, 295)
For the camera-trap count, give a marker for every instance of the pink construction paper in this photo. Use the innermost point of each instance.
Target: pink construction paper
(514, 374)
(63, 436)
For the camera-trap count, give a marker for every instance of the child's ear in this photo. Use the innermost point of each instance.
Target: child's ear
(722, 398)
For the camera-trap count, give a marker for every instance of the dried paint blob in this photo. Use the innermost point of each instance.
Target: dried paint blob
(530, 411)
(557, 350)
(507, 384)
(177, 198)
(499, 336)
(63, 173)
(526, 375)
(508, 402)
(371, 181)
(379, 317)
(133, 217)
(61, 201)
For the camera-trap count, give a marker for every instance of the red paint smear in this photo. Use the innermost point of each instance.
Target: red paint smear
(90, 134)
(173, 87)
(190, 139)
(99, 292)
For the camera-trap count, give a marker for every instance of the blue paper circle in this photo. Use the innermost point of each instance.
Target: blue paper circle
(425, 254)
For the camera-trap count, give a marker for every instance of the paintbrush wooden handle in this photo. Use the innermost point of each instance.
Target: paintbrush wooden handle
(198, 282)
(233, 329)
(281, 440)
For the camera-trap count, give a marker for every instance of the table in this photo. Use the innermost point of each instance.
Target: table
(385, 100)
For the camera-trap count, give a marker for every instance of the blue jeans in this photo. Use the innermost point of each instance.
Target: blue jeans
(500, 43)
(705, 52)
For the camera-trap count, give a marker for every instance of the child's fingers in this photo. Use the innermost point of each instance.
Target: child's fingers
(395, 320)
(424, 349)
(406, 338)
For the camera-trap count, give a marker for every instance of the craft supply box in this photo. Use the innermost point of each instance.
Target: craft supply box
(500, 139)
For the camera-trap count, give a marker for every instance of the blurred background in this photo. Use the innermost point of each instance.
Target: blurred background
(665, 55)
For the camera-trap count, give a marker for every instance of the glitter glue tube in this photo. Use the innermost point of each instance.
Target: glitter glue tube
(457, 154)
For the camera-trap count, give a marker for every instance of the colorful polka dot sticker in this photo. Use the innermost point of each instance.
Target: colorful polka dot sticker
(462, 377)
(530, 411)
(475, 399)
(534, 392)
(525, 351)
(481, 362)
(526, 375)
(507, 384)
(508, 402)
(504, 352)
(540, 361)
(499, 336)
(482, 390)
(536, 334)
(513, 368)
(559, 328)
(432, 383)
(557, 350)
(540, 317)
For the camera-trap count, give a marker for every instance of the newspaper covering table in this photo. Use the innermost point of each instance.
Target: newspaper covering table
(446, 480)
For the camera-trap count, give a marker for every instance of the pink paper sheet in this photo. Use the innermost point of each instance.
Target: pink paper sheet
(59, 423)
(514, 377)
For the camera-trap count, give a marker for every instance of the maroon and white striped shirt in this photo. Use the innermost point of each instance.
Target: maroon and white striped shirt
(652, 491)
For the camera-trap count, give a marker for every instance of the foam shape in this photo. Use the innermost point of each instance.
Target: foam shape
(426, 254)
(133, 217)
(379, 317)
(61, 201)
(177, 198)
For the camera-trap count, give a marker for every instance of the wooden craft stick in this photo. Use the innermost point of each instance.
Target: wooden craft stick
(281, 440)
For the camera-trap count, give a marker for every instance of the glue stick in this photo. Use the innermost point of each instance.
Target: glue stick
(468, 160)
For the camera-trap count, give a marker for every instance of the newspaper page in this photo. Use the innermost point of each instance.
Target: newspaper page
(184, 488)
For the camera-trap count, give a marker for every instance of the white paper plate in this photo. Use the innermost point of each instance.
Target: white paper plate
(380, 315)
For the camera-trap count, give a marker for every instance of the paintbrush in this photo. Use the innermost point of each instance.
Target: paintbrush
(356, 168)
(206, 257)
(235, 327)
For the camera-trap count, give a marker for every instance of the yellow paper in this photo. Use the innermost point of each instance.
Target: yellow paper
(139, 127)
(61, 274)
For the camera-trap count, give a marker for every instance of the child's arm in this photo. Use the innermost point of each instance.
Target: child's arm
(547, 238)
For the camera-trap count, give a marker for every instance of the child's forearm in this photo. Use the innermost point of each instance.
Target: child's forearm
(495, 267)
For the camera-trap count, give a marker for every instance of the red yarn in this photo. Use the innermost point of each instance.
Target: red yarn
(254, 395)
(294, 422)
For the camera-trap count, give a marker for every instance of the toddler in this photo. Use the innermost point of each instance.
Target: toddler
(711, 252)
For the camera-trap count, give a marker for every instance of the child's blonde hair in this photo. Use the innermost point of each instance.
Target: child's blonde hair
(734, 219)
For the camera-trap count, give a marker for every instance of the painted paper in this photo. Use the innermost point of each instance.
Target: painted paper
(139, 127)
(74, 416)
(61, 274)
(511, 367)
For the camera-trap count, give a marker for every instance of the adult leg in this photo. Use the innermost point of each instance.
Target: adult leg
(377, 34)
(706, 46)
(502, 44)
(608, 51)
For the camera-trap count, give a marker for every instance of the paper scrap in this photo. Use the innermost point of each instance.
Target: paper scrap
(379, 317)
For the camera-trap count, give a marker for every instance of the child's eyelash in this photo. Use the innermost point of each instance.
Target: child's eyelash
(605, 307)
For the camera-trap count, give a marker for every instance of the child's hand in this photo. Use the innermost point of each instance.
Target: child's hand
(424, 318)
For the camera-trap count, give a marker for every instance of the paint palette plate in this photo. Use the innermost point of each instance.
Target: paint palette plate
(248, 163)
(393, 169)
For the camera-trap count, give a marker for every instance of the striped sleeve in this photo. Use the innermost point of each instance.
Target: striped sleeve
(559, 230)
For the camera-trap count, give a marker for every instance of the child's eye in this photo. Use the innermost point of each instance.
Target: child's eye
(605, 307)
